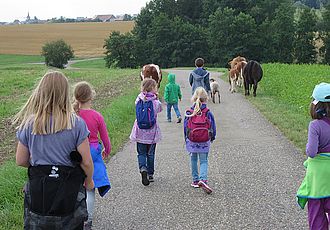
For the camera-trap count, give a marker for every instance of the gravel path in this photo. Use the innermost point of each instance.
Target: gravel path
(253, 169)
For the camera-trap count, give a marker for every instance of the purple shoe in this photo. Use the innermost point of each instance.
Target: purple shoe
(195, 184)
(205, 187)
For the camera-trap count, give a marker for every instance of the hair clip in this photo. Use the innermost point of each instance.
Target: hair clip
(321, 112)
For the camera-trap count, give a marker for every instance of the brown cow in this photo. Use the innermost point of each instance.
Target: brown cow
(152, 71)
(236, 60)
(233, 77)
(240, 66)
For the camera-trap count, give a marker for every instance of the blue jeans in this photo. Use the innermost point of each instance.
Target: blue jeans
(176, 109)
(146, 157)
(203, 166)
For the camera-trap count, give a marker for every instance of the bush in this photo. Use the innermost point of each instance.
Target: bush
(57, 53)
(120, 50)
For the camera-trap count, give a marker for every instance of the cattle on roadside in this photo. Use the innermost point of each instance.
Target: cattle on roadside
(151, 71)
(252, 74)
(236, 60)
(233, 77)
(240, 66)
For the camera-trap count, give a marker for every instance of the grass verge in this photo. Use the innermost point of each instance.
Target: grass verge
(11, 196)
(11, 59)
(284, 96)
(97, 63)
(116, 92)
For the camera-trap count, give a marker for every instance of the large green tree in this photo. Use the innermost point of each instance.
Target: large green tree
(325, 34)
(277, 34)
(304, 47)
(190, 10)
(120, 50)
(190, 42)
(161, 42)
(231, 35)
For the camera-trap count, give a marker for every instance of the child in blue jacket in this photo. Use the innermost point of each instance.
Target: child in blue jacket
(200, 77)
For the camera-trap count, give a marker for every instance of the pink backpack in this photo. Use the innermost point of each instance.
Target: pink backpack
(199, 127)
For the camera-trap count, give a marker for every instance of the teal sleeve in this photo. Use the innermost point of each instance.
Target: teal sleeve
(166, 94)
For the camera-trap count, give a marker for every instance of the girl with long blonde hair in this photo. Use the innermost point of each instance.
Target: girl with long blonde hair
(49, 137)
(200, 131)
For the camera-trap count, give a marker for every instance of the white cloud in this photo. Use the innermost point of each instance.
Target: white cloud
(45, 9)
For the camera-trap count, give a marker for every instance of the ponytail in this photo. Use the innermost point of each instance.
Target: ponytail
(200, 96)
(75, 106)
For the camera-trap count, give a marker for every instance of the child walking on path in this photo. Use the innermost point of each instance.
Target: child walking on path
(199, 77)
(315, 188)
(199, 131)
(146, 131)
(53, 145)
(171, 96)
(83, 95)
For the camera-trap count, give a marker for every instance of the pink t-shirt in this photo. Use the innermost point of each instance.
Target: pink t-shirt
(95, 123)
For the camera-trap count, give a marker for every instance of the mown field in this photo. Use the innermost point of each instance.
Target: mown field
(86, 39)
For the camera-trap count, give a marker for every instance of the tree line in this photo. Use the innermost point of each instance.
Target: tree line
(175, 32)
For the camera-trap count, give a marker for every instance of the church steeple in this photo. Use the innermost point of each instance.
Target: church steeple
(28, 17)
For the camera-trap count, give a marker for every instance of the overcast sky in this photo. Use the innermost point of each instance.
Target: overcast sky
(45, 9)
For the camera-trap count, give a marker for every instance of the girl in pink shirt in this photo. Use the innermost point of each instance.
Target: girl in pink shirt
(83, 94)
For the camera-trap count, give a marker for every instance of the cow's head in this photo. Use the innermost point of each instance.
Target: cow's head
(151, 71)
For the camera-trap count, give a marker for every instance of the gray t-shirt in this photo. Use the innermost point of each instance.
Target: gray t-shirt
(53, 149)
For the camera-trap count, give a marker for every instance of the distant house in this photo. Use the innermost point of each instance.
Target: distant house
(105, 18)
(124, 17)
(120, 18)
(81, 19)
(134, 16)
(16, 22)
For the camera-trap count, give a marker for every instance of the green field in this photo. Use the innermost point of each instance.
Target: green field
(284, 96)
(11, 59)
(95, 64)
(116, 92)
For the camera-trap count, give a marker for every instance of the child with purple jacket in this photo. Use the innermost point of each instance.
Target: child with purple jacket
(315, 188)
(199, 149)
(146, 139)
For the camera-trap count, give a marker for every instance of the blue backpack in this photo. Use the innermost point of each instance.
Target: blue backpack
(145, 114)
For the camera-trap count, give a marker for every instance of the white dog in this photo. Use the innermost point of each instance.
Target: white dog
(215, 89)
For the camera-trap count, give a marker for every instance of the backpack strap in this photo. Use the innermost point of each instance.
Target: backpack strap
(205, 110)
